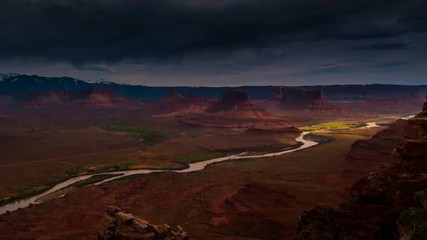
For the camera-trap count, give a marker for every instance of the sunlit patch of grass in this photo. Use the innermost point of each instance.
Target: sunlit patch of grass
(332, 126)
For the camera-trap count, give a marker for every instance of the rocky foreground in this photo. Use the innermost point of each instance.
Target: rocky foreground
(118, 225)
(389, 204)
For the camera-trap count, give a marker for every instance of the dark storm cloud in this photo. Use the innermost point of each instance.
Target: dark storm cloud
(338, 69)
(385, 46)
(93, 31)
(97, 68)
(391, 64)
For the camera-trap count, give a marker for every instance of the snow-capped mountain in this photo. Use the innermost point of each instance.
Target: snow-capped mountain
(99, 81)
(7, 76)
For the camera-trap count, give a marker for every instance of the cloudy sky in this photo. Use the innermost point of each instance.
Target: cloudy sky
(217, 42)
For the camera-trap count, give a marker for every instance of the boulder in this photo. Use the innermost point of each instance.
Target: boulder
(118, 225)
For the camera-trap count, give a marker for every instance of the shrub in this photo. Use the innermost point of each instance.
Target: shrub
(76, 171)
(419, 232)
(421, 197)
(413, 222)
(409, 218)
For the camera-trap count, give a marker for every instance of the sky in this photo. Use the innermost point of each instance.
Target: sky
(217, 42)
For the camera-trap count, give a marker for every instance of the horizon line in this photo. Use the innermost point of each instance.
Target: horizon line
(210, 86)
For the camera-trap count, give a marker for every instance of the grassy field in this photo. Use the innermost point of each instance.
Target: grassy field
(332, 126)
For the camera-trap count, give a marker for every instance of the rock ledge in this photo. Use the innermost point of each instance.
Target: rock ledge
(118, 225)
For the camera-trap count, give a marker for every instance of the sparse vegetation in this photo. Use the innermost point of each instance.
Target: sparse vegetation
(413, 222)
(76, 171)
(332, 126)
(122, 166)
(421, 197)
(146, 135)
(27, 193)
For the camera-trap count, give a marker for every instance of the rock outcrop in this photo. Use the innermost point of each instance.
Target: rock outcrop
(396, 105)
(298, 99)
(378, 199)
(173, 95)
(118, 225)
(235, 96)
(307, 101)
(102, 98)
(231, 100)
(234, 104)
(44, 99)
(176, 104)
(233, 110)
(90, 98)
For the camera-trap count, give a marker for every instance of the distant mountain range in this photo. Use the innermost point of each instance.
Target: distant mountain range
(20, 86)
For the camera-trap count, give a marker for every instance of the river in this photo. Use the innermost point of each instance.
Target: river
(192, 167)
